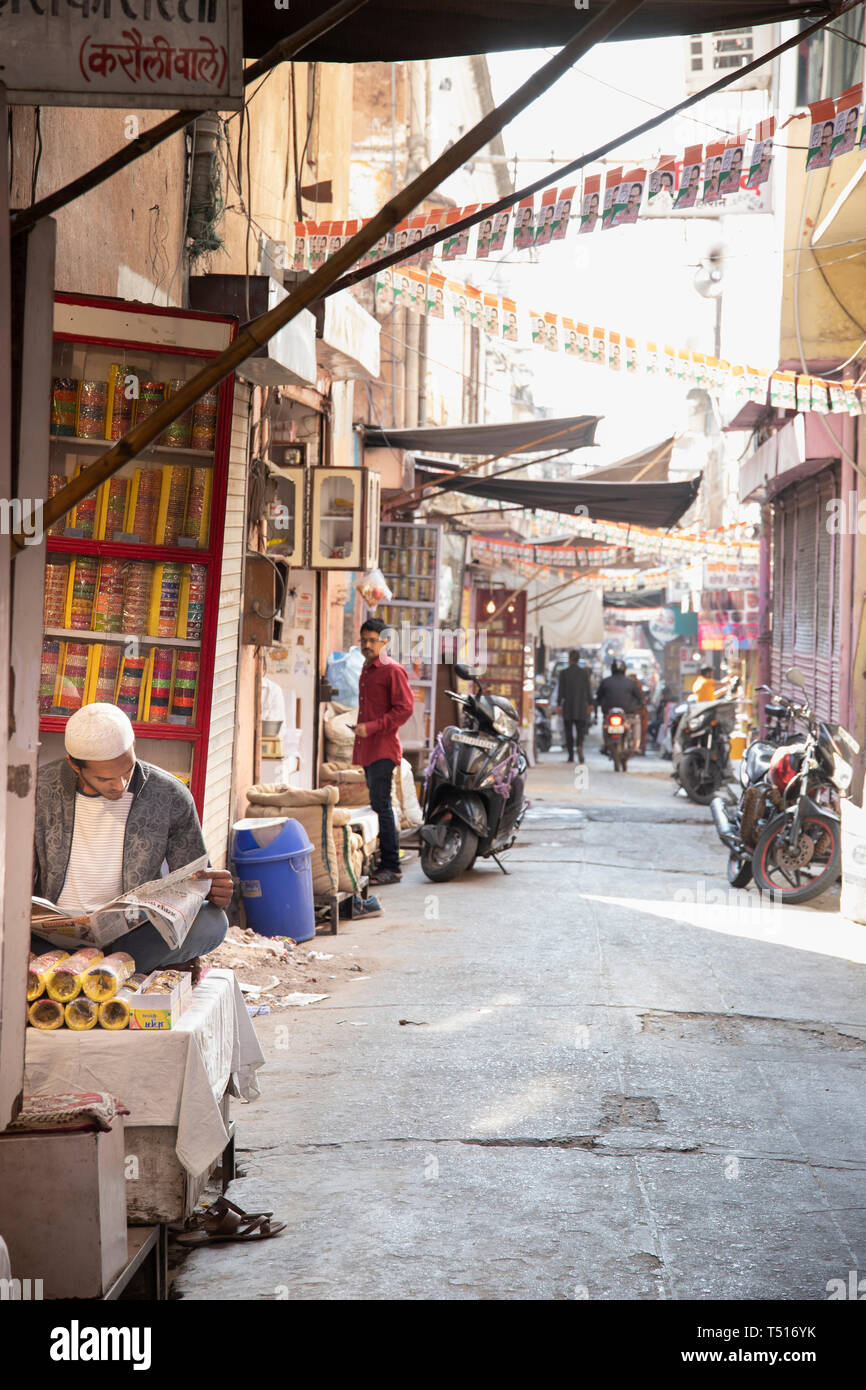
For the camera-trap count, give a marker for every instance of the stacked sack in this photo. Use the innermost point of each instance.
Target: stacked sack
(333, 866)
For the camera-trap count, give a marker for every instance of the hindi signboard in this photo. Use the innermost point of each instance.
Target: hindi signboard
(166, 54)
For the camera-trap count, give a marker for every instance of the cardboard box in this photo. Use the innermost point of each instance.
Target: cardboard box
(157, 1010)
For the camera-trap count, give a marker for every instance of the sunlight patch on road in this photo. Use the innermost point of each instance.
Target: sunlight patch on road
(744, 914)
(465, 1018)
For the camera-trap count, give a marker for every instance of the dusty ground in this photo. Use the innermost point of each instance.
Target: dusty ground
(269, 969)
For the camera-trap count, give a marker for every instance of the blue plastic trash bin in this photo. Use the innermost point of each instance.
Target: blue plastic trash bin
(272, 859)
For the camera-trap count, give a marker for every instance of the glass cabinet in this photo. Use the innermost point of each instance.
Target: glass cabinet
(132, 574)
(344, 518)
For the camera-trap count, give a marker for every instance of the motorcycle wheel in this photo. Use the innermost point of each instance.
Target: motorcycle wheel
(739, 870)
(699, 780)
(779, 872)
(543, 740)
(442, 863)
(617, 758)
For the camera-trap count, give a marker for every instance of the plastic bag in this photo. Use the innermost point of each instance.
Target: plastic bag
(343, 672)
(373, 589)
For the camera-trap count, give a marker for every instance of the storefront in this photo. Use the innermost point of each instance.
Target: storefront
(802, 471)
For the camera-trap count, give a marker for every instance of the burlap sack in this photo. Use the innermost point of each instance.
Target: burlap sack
(351, 782)
(407, 812)
(314, 810)
(347, 863)
(339, 737)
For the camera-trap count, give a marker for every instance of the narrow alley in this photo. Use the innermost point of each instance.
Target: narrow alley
(620, 1080)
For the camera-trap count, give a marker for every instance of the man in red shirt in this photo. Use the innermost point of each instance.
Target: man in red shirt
(385, 702)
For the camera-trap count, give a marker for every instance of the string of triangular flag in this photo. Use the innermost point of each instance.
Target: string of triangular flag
(711, 175)
(437, 296)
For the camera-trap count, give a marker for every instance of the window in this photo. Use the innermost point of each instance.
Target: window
(843, 58)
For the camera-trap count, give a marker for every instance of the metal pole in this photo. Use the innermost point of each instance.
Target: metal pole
(256, 333)
(281, 52)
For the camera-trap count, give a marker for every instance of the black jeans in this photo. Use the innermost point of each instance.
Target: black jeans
(575, 732)
(378, 776)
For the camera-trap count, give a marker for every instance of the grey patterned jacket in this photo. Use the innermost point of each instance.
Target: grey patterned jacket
(162, 825)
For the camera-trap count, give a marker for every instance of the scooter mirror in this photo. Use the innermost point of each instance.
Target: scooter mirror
(466, 673)
(794, 676)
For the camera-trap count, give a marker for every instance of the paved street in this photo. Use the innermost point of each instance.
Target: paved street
(616, 1080)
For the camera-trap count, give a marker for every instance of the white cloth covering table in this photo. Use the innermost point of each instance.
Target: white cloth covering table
(177, 1077)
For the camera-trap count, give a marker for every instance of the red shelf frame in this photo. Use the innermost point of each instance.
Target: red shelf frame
(196, 733)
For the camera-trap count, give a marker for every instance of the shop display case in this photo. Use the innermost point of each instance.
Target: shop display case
(507, 649)
(344, 518)
(132, 575)
(410, 558)
(285, 513)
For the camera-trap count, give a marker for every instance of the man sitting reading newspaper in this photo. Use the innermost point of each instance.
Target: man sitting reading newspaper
(106, 823)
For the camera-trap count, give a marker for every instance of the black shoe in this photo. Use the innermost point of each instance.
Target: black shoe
(384, 876)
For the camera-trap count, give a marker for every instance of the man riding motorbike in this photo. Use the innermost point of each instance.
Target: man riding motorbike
(619, 691)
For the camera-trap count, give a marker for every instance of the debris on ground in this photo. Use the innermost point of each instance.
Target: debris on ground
(276, 972)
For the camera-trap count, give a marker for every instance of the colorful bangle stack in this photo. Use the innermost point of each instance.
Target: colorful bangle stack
(55, 482)
(185, 681)
(129, 685)
(83, 593)
(196, 503)
(108, 604)
(136, 595)
(123, 389)
(204, 417)
(151, 395)
(92, 405)
(74, 677)
(56, 578)
(177, 434)
(64, 405)
(48, 674)
(195, 606)
(106, 676)
(143, 521)
(169, 599)
(115, 507)
(84, 517)
(160, 685)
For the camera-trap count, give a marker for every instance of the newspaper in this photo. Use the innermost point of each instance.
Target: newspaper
(171, 904)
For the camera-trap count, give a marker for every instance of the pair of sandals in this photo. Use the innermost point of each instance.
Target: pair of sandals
(224, 1221)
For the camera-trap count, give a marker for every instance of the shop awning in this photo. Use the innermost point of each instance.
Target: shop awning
(649, 466)
(639, 504)
(485, 441)
(391, 30)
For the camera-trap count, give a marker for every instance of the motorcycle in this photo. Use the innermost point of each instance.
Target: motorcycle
(473, 800)
(738, 826)
(785, 832)
(702, 744)
(543, 727)
(618, 736)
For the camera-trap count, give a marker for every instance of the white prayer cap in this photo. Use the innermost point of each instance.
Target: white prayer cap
(97, 733)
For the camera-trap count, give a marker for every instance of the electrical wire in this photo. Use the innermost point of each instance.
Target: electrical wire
(37, 153)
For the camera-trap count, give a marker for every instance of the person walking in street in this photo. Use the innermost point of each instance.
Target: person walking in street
(385, 702)
(575, 703)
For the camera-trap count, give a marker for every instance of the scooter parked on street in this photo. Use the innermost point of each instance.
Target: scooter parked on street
(473, 799)
(702, 744)
(785, 832)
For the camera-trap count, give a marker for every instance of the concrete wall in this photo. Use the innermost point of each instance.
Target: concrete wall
(126, 236)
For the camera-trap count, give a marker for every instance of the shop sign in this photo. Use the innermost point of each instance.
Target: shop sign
(166, 54)
(722, 574)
